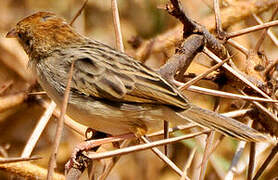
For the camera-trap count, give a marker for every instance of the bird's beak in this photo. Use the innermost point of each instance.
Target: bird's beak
(11, 34)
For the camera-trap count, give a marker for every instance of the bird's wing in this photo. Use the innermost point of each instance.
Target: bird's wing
(103, 72)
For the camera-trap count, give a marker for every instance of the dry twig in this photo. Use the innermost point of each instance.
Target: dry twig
(60, 125)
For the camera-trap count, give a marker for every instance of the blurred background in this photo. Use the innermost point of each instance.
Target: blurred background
(140, 20)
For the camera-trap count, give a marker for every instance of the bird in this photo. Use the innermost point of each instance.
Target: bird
(110, 91)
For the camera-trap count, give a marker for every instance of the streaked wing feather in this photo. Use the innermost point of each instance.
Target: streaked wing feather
(111, 74)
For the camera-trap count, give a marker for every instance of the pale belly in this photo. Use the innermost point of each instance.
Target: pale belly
(111, 117)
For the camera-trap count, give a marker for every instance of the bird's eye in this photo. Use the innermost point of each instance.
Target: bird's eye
(27, 42)
(20, 35)
(24, 39)
(45, 18)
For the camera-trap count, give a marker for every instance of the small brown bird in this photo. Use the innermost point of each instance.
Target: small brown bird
(110, 91)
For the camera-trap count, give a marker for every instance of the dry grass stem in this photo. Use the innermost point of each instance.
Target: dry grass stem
(252, 29)
(117, 25)
(37, 93)
(227, 94)
(79, 12)
(5, 86)
(32, 141)
(208, 147)
(270, 67)
(142, 147)
(266, 162)
(59, 129)
(94, 143)
(9, 101)
(269, 32)
(231, 172)
(176, 128)
(29, 170)
(17, 159)
(238, 46)
(163, 157)
(188, 163)
(202, 75)
(112, 163)
(236, 113)
(86, 145)
(265, 31)
(73, 125)
(216, 144)
(166, 136)
(235, 73)
(266, 111)
(252, 155)
(10, 58)
(218, 23)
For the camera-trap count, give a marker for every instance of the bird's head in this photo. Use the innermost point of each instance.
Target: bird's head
(42, 32)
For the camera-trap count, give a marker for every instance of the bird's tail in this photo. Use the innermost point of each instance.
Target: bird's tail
(225, 125)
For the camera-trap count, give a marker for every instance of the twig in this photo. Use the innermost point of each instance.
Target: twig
(265, 31)
(227, 94)
(119, 45)
(235, 160)
(208, 147)
(270, 66)
(213, 160)
(5, 86)
(166, 136)
(182, 59)
(3, 150)
(79, 12)
(12, 100)
(145, 146)
(266, 162)
(112, 163)
(235, 73)
(94, 143)
(236, 113)
(252, 29)
(17, 159)
(202, 75)
(38, 130)
(252, 155)
(238, 46)
(163, 157)
(216, 144)
(28, 170)
(13, 57)
(269, 32)
(37, 93)
(237, 156)
(188, 163)
(218, 23)
(60, 124)
(230, 15)
(266, 112)
(176, 128)
(117, 25)
(73, 125)
(192, 27)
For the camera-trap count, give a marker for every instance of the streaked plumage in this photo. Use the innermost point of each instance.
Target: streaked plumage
(111, 92)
